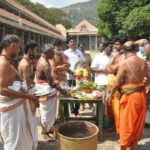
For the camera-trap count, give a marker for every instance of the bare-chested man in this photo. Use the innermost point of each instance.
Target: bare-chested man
(111, 69)
(14, 112)
(129, 83)
(47, 88)
(59, 63)
(27, 74)
(25, 66)
(59, 67)
(118, 57)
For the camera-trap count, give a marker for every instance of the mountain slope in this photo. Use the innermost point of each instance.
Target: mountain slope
(84, 10)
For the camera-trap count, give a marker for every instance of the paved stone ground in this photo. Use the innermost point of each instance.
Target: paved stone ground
(109, 142)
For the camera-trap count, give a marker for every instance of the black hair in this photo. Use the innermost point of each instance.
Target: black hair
(57, 42)
(106, 43)
(119, 38)
(30, 45)
(69, 38)
(81, 44)
(9, 39)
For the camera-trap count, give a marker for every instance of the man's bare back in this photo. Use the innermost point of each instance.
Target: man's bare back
(134, 69)
(43, 69)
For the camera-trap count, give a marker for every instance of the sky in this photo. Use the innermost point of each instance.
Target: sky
(57, 3)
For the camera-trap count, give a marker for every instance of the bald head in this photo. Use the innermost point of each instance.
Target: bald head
(128, 43)
(128, 46)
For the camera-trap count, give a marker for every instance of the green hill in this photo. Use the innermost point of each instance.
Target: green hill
(80, 11)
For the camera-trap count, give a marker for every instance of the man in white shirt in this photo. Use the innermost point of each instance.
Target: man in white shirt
(74, 56)
(99, 63)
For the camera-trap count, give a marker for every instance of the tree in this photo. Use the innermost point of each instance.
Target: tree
(137, 24)
(52, 15)
(113, 13)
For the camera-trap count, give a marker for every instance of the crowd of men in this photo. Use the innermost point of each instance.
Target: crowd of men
(37, 82)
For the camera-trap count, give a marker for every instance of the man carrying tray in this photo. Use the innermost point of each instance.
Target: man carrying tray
(46, 89)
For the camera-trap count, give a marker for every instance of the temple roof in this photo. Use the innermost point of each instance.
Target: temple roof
(25, 19)
(83, 28)
(88, 25)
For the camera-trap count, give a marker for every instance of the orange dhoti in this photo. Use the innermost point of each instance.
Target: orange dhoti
(132, 114)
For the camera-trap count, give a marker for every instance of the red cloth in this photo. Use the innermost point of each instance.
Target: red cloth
(41, 81)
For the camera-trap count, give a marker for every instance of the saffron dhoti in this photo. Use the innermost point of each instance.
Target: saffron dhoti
(132, 114)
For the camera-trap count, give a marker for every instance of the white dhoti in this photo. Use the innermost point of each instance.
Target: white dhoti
(48, 113)
(17, 125)
(16, 128)
(33, 125)
(47, 107)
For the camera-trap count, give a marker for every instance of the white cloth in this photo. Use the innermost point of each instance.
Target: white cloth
(74, 56)
(140, 54)
(16, 86)
(18, 126)
(48, 108)
(48, 114)
(100, 61)
(43, 89)
(33, 125)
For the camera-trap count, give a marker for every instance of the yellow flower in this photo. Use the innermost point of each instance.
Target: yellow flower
(111, 79)
(78, 72)
(85, 72)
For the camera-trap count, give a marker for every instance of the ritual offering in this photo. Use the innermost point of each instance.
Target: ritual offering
(86, 90)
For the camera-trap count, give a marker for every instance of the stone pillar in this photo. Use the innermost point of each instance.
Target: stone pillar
(90, 47)
(49, 39)
(29, 36)
(39, 44)
(22, 38)
(42, 41)
(3, 30)
(14, 31)
(77, 39)
(95, 42)
(34, 36)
